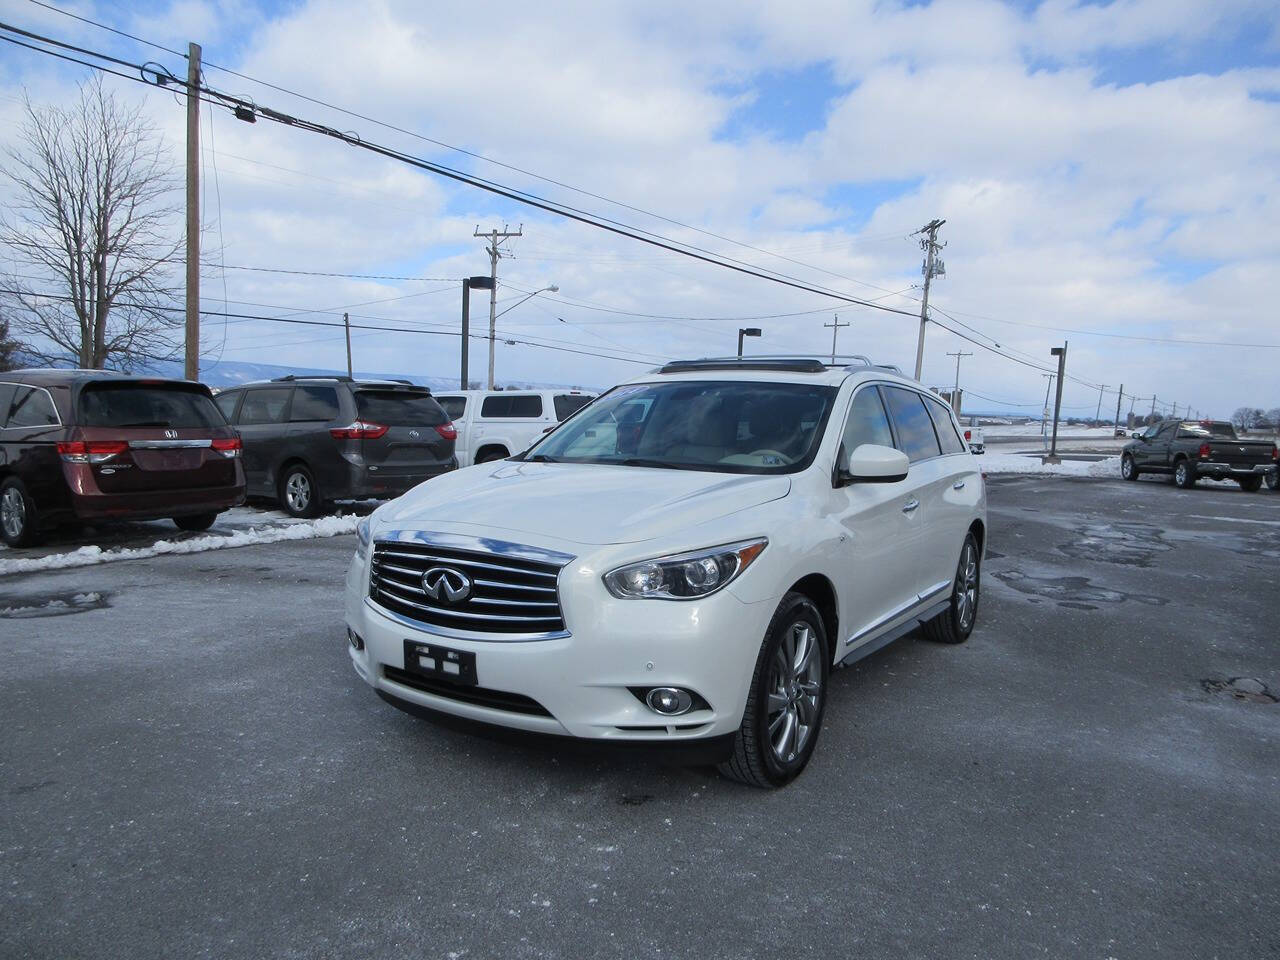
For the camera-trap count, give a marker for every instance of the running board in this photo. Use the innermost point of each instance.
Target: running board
(873, 641)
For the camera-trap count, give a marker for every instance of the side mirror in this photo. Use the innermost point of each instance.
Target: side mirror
(871, 463)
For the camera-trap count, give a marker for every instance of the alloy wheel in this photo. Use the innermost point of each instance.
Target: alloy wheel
(967, 587)
(795, 684)
(297, 490)
(13, 513)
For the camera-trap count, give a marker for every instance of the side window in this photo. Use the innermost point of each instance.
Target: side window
(6, 400)
(1166, 432)
(264, 406)
(453, 406)
(947, 436)
(31, 408)
(502, 406)
(314, 403)
(867, 421)
(227, 404)
(567, 404)
(916, 437)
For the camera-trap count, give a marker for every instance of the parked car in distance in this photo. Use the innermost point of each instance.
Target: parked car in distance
(494, 424)
(1122, 431)
(1188, 450)
(973, 437)
(83, 446)
(312, 440)
(681, 564)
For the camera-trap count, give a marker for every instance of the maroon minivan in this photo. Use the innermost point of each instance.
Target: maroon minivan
(91, 445)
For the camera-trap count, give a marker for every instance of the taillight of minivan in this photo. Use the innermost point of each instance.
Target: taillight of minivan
(229, 447)
(447, 431)
(359, 430)
(91, 451)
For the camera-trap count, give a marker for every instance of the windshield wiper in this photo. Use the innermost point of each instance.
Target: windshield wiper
(539, 458)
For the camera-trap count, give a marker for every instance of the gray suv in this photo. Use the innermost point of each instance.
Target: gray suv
(309, 440)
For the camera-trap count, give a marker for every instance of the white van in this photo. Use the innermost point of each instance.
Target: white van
(493, 424)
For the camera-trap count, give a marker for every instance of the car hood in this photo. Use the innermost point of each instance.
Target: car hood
(580, 503)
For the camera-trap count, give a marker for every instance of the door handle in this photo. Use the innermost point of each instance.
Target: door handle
(910, 505)
(958, 485)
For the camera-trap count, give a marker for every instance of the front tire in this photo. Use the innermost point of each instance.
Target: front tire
(784, 709)
(1184, 474)
(955, 623)
(1250, 484)
(1128, 468)
(298, 493)
(19, 520)
(195, 522)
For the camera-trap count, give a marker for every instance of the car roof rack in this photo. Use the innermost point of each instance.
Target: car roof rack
(793, 363)
(290, 377)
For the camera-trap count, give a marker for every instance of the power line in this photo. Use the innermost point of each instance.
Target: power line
(103, 26)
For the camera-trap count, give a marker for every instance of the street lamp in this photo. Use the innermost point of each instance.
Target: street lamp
(493, 317)
(746, 332)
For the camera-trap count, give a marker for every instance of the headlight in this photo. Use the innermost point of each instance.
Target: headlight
(684, 576)
(362, 538)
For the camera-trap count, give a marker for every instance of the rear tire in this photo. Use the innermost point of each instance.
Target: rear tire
(788, 695)
(1128, 468)
(298, 492)
(19, 519)
(196, 521)
(955, 623)
(1250, 484)
(1184, 474)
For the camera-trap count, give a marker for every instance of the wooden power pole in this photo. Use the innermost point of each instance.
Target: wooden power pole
(932, 268)
(191, 368)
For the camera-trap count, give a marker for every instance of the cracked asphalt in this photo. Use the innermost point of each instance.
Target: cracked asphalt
(190, 768)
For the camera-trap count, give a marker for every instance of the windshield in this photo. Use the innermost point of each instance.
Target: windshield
(132, 404)
(721, 426)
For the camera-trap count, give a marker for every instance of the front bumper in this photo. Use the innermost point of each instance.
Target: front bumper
(583, 677)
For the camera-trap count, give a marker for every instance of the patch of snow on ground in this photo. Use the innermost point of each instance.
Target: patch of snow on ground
(1012, 463)
(89, 555)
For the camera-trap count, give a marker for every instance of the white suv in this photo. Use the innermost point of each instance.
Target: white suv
(682, 563)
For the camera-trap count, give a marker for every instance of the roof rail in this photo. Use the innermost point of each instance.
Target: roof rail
(791, 364)
(289, 378)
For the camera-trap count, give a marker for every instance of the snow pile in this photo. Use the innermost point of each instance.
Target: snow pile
(87, 556)
(1013, 463)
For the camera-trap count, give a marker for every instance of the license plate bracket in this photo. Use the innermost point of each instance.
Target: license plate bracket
(440, 663)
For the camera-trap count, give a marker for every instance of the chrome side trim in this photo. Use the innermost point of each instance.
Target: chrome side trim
(459, 541)
(906, 626)
(448, 632)
(902, 610)
(169, 444)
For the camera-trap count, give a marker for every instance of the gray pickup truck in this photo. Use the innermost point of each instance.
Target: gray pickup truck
(1190, 450)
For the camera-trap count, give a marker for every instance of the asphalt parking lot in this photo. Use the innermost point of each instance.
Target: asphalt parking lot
(190, 768)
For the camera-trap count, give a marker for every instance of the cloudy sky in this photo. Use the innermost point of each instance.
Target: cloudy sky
(1109, 174)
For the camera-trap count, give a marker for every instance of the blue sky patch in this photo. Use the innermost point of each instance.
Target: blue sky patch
(787, 104)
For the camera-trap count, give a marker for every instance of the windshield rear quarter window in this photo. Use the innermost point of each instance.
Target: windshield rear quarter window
(567, 404)
(400, 408)
(31, 407)
(146, 405)
(947, 436)
(314, 403)
(513, 406)
(916, 437)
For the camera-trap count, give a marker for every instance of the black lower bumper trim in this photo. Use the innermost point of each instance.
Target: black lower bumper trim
(702, 751)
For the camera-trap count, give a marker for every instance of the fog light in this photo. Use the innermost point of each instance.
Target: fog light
(670, 701)
(354, 639)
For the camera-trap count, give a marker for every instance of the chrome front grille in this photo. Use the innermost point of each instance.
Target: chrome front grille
(510, 592)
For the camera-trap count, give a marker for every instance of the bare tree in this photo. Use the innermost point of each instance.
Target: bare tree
(92, 230)
(1246, 417)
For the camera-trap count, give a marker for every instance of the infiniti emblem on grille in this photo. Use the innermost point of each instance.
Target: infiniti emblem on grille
(446, 583)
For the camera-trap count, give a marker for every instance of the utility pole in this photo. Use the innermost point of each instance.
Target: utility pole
(191, 367)
(835, 326)
(495, 238)
(933, 267)
(1097, 417)
(1153, 405)
(1044, 416)
(1119, 400)
(1175, 410)
(1129, 419)
(955, 394)
(346, 325)
(1061, 354)
(469, 284)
